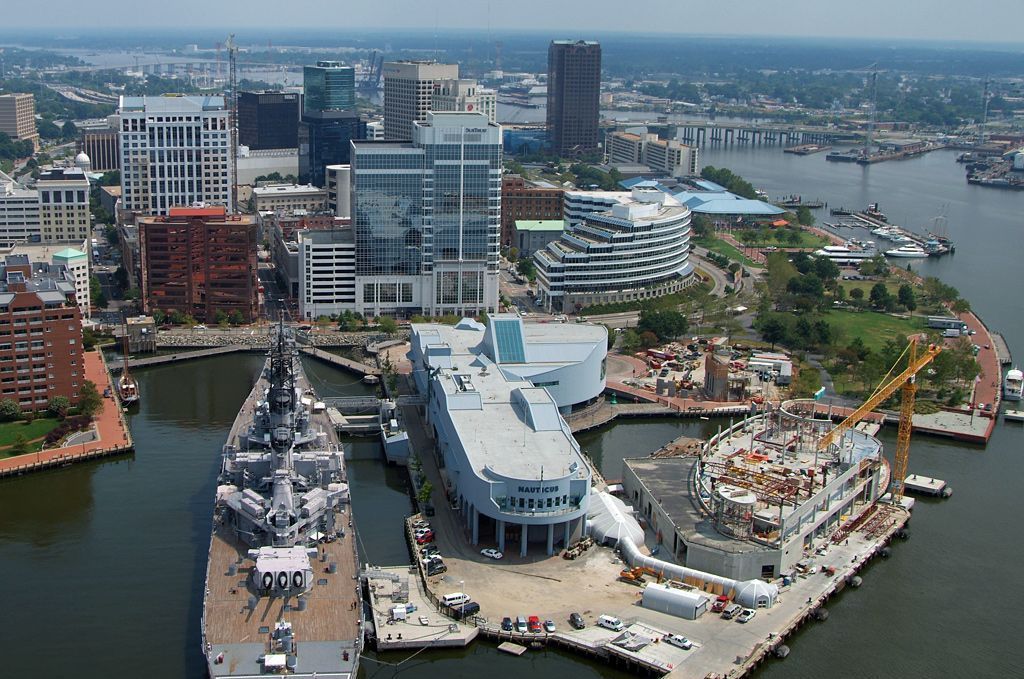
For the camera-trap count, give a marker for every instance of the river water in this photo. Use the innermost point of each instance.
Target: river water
(103, 562)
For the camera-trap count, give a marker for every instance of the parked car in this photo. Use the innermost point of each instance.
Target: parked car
(436, 567)
(521, 626)
(610, 622)
(533, 624)
(549, 626)
(576, 620)
(506, 624)
(680, 641)
(429, 550)
(731, 611)
(425, 538)
(720, 603)
(491, 553)
(746, 615)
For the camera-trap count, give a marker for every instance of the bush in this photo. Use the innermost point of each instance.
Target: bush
(69, 425)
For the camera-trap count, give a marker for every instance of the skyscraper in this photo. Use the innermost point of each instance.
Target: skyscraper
(574, 96)
(268, 120)
(329, 121)
(426, 215)
(18, 117)
(409, 93)
(174, 151)
(328, 86)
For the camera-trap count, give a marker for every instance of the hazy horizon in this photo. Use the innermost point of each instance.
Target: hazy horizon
(995, 21)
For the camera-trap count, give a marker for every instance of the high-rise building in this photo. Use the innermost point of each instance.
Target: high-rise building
(339, 190)
(175, 150)
(199, 260)
(19, 213)
(64, 205)
(523, 200)
(427, 218)
(72, 256)
(18, 117)
(268, 120)
(325, 139)
(328, 86)
(574, 96)
(329, 121)
(464, 95)
(40, 334)
(409, 93)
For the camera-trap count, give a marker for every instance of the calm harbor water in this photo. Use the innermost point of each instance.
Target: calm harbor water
(103, 563)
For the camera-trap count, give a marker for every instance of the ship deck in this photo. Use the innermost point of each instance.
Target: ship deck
(329, 625)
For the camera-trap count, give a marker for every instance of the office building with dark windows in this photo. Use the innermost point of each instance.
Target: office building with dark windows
(329, 121)
(268, 120)
(574, 96)
(427, 218)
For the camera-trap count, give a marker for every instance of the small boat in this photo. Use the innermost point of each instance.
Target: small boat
(127, 387)
(907, 251)
(1013, 385)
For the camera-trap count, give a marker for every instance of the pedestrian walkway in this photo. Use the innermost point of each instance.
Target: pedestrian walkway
(112, 435)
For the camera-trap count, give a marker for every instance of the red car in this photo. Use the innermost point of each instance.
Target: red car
(720, 603)
(533, 624)
(425, 538)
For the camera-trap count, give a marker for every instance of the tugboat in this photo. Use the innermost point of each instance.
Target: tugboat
(127, 387)
(282, 581)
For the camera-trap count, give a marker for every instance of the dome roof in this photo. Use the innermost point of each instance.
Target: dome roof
(82, 159)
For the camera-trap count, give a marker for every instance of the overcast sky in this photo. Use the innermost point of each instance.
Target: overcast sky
(972, 20)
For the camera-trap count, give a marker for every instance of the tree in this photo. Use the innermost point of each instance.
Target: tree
(9, 410)
(121, 277)
(68, 131)
(58, 406)
(48, 129)
(220, 318)
(648, 339)
(88, 338)
(630, 341)
(19, 447)
(236, 317)
(701, 226)
(773, 330)
(906, 297)
(857, 293)
(804, 216)
(426, 490)
(89, 400)
(110, 178)
(387, 325)
(960, 306)
(879, 298)
(665, 324)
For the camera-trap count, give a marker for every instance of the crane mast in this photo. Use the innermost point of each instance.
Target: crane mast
(907, 381)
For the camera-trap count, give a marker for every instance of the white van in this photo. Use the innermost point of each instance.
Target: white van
(610, 622)
(454, 599)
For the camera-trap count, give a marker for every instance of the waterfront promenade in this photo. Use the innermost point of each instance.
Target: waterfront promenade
(111, 431)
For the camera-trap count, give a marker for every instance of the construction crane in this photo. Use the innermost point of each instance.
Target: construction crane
(907, 379)
(233, 117)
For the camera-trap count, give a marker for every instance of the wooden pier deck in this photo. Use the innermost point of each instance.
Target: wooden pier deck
(342, 362)
(185, 355)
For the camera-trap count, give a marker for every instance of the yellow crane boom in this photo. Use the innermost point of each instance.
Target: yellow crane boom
(907, 380)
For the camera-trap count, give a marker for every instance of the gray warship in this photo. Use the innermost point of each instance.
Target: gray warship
(282, 588)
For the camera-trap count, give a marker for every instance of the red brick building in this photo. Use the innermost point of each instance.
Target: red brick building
(40, 334)
(199, 260)
(521, 199)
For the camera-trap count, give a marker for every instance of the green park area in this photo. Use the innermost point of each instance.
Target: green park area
(873, 328)
(31, 433)
(719, 246)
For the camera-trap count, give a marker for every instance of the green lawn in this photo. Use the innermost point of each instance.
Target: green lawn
(778, 238)
(41, 426)
(874, 328)
(725, 249)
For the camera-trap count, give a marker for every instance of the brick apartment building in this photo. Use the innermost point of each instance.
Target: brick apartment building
(523, 200)
(199, 260)
(40, 334)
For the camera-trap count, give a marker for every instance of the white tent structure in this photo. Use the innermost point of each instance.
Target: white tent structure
(609, 521)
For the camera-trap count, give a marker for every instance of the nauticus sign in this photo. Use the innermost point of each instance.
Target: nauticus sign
(538, 489)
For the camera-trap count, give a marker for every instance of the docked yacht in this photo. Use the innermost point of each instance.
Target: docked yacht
(1013, 385)
(844, 255)
(912, 251)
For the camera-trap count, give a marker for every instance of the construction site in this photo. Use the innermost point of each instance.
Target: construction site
(760, 525)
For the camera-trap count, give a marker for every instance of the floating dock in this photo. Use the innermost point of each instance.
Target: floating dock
(1014, 415)
(925, 485)
(510, 648)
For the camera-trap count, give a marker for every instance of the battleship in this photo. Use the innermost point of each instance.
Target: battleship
(282, 587)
